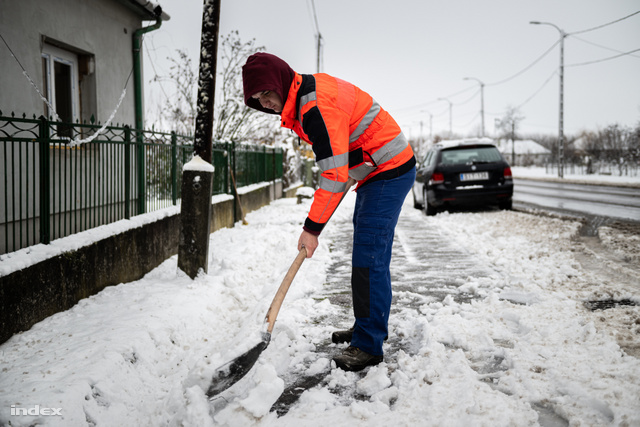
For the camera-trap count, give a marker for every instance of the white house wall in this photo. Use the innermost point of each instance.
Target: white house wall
(103, 28)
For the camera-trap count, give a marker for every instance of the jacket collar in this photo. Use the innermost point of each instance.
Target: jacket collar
(290, 108)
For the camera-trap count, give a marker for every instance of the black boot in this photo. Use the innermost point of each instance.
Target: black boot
(339, 337)
(354, 359)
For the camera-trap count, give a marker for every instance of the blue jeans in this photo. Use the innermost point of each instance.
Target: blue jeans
(375, 216)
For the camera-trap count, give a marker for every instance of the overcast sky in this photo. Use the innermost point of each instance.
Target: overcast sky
(409, 53)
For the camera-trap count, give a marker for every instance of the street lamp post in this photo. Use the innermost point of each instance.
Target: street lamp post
(561, 118)
(430, 123)
(450, 115)
(481, 101)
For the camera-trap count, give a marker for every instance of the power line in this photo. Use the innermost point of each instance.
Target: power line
(315, 16)
(629, 53)
(538, 91)
(472, 120)
(556, 43)
(601, 46)
(603, 25)
(526, 68)
(469, 99)
(310, 11)
(155, 72)
(603, 59)
(425, 104)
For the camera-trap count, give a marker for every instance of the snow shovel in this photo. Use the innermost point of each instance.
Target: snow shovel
(231, 372)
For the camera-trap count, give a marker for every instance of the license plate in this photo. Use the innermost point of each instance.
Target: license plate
(474, 176)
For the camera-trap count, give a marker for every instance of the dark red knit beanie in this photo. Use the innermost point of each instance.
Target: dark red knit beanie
(264, 71)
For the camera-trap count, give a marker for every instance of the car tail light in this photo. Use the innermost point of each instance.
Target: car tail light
(507, 173)
(437, 178)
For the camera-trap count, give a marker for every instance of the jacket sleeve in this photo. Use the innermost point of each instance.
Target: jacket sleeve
(327, 128)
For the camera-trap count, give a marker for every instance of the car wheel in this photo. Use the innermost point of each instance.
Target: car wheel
(505, 205)
(429, 209)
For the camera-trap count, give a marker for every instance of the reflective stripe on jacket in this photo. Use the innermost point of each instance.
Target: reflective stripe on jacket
(351, 135)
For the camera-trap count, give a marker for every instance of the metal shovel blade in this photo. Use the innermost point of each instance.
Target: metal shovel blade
(233, 371)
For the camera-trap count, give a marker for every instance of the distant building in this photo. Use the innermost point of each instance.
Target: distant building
(527, 152)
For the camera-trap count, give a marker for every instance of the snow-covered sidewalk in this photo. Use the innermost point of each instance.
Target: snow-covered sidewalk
(525, 346)
(535, 172)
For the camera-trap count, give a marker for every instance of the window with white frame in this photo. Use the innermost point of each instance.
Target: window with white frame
(60, 75)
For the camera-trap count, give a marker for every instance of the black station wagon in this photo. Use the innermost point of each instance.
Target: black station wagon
(459, 173)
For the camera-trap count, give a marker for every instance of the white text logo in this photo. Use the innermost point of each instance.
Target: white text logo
(36, 410)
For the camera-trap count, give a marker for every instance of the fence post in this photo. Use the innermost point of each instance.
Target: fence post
(273, 171)
(233, 170)
(227, 168)
(142, 175)
(45, 176)
(174, 168)
(127, 172)
(232, 165)
(265, 167)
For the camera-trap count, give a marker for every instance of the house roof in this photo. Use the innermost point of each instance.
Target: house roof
(580, 143)
(147, 10)
(526, 146)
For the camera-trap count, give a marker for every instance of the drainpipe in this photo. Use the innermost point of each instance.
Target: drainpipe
(137, 64)
(139, 114)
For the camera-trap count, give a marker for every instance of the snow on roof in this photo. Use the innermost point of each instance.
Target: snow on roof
(525, 146)
(464, 141)
(580, 143)
(147, 9)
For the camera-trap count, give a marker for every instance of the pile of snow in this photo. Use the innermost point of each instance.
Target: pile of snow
(140, 353)
(305, 192)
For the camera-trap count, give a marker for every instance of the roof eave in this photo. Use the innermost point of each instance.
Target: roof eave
(147, 10)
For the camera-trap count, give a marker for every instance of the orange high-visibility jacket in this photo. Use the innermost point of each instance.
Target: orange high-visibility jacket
(351, 135)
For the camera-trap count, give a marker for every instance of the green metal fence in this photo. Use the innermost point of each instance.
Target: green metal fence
(53, 188)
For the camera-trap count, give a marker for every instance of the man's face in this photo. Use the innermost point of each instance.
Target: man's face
(269, 99)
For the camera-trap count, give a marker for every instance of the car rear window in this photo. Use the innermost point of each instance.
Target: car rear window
(465, 155)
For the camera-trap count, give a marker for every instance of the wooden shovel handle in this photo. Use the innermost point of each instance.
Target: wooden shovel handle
(274, 308)
(284, 287)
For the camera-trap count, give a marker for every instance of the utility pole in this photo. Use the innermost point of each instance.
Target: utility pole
(513, 143)
(318, 38)
(318, 50)
(481, 102)
(450, 115)
(197, 175)
(563, 35)
(430, 124)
